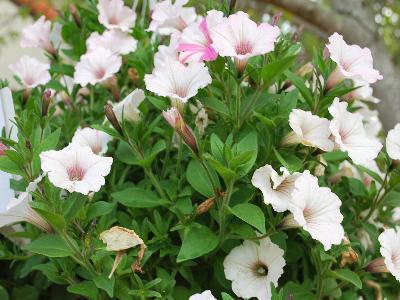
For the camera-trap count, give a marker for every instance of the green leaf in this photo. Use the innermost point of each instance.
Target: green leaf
(357, 188)
(100, 208)
(51, 245)
(251, 214)
(72, 205)
(136, 197)
(50, 142)
(299, 83)
(124, 154)
(215, 105)
(271, 72)
(298, 292)
(392, 199)
(55, 220)
(225, 296)
(197, 176)
(198, 240)
(158, 102)
(85, 288)
(371, 173)
(248, 143)
(346, 275)
(290, 161)
(8, 166)
(104, 283)
(3, 293)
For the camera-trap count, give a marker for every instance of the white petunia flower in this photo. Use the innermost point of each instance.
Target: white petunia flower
(364, 92)
(353, 62)
(390, 250)
(166, 53)
(177, 81)
(349, 134)
(168, 18)
(113, 14)
(252, 268)
(241, 38)
(316, 210)
(206, 295)
(309, 130)
(372, 123)
(31, 71)
(116, 41)
(76, 168)
(129, 106)
(97, 140)
(393, 142)
(276, 189)
(38, 35)
(96, 66)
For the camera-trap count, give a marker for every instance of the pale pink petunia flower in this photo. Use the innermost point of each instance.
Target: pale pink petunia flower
(196, 42)
(353, 62)
(177, 81)
(76, 168)
(165, 53)
(393, 142)
(317, 210)
(206, 295)
(38, 35)
(128, 109)
(97, 140)
(276, 189)
(309, 130)
(371, 121)
(389, 240)
(113, 14)
(31, 71)
(96, 66)
(349, 134)
(116, 41)
(253, 267)
(241, 38)
(364, 92)
(168, 18)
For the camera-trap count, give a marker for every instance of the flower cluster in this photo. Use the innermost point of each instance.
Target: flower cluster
(166, 154)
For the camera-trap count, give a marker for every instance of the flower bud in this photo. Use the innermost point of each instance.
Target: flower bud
(112, 84)
(75, 15)
(133, 74)
(110, 115)
(175, 120)
(377, 266)
(46, 101)
(326, 54)
(3, 149)
(232, 4)
(276, 18)
(205, 206)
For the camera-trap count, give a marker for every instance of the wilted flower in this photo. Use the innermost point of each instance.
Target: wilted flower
(349, 133)
(76, 168)
(120, 239)
(201, 121)
(168, 18)
(116, 41)
(96, 66)
(38, 35)
(177, 81)
(31, 71)
(97, 140)
(113, 14)
(129, 106)
(241, 38)
(353, 62)
(309, 130)
(316, 210)
(276, 189)
(393, 142)
(253, 267)
(349, 256)
(206, 295)
(196, 42)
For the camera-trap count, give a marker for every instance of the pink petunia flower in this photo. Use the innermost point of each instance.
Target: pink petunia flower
(31, 71)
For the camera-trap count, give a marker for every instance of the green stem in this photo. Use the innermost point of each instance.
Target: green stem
(377, 201)
(221, 211)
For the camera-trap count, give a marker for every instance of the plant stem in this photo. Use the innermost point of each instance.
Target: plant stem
(377, 201)
(221, 212)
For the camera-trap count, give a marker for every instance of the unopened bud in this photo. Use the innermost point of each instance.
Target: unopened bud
(377, 266)
(240, 65)
(110, 115)
(133, 74)
(205, 206)
(28, 145)
(276, 18)
(175, 120)
(3, 149)
(75, 15)
(232, 4)
(326, 54)
(112, 84)
(46, 101)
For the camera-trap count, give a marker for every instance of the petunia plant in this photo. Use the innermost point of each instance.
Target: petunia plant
(165, 151)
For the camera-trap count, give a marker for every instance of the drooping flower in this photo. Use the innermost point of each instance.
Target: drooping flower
(389, 240)
(241, 38)
(206, 295)
(120, 239)
(253, 267)
(168, 18)
(177, 81)
(113, 14)
(97, 140)
(349, 134)
(31, 71)
(309, 130)
(118, 42)
(196, 42)
(38, 35)
(76, 168)
(316, 210)
(353, 62)
(393, 142)
(96, 66)
(129, 106)
(276, 189)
